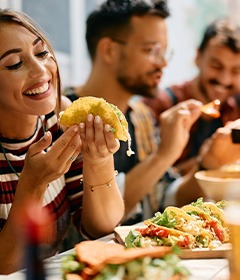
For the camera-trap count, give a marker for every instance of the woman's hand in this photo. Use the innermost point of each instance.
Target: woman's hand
(47, 166)
(98, 142)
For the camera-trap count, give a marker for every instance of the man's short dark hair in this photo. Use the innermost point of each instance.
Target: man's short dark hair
(113, 16)
(225, 31)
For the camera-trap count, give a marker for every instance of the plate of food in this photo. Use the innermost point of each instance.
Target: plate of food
(97, 260)
(199, 230)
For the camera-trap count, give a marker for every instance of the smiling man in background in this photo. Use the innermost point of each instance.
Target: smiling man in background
(218, 61)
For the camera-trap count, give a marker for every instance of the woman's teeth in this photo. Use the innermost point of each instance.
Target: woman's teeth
(38, 90)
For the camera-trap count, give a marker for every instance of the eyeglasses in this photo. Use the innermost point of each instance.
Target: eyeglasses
(155, 52)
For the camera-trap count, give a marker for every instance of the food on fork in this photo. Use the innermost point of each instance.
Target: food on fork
(97, 260)
(212, 108)
(78, 111)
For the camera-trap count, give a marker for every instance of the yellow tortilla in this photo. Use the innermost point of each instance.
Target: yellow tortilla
(78, 111)
(179, 213)
(172, 231)
(216, 212)
(208, 217)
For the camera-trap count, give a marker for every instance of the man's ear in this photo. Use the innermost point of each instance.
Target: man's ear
(198, 57)
(107, 49)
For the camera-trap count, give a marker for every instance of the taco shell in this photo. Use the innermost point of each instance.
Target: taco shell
(179, 213)
(78, 111)
(216, 212)
(172, 231)
(208, 217)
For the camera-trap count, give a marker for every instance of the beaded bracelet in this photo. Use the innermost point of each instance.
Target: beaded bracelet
(108, 184)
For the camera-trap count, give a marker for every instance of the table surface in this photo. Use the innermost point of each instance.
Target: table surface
(201, 269)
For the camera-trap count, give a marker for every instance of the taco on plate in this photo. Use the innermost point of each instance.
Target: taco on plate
(176, 218)
(213, 209)
(155, 235)
(209, 222)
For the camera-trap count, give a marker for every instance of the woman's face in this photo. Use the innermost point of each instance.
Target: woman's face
(28, 80)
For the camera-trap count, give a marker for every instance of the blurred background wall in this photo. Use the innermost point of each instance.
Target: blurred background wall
(64, 23)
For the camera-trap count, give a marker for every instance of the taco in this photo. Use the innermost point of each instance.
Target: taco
(209, 222)
(78, 111)
(176, 218)
(97, 260)
(155, 235)
(213, 209)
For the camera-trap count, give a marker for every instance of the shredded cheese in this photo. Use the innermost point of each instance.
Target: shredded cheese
(129, 150)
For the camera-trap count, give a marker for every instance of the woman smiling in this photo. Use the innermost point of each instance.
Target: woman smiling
(40, 164)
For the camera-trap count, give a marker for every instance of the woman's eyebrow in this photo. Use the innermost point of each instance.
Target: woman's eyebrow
(36, 41)
(10, 51)
(17, 50)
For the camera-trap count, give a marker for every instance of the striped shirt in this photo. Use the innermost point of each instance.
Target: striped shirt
(63, 197)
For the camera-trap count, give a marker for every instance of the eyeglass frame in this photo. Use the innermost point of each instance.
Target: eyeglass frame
(159, 54)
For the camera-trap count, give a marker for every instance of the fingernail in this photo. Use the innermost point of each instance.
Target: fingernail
(75, 129)
(107, 127)
(97, 119)
(46, 135)
(82, 125)
(90, 117)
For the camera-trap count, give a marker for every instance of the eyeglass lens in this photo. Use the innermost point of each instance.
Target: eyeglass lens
(158, 54)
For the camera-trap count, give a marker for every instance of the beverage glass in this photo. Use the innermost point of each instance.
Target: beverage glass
(233, 217)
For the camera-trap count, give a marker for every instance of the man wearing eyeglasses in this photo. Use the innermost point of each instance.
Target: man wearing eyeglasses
(218, 61)
(127, 42)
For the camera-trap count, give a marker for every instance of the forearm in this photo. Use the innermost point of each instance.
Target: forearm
(103, 208)
(189, 190)
(143, 177)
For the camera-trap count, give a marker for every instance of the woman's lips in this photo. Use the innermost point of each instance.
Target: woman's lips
(38, 90)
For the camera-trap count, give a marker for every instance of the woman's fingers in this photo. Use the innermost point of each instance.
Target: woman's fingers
(112, 143)
(67, 145)
(86, 132)
(97, 139)
(41, 145)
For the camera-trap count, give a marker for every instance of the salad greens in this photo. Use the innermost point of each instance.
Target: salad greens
(135, 239)
(164, 219)
(140, 269)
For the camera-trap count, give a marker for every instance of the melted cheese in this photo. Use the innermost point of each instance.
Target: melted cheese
(129, 150)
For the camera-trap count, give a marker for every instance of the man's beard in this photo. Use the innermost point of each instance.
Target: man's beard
(137, 87)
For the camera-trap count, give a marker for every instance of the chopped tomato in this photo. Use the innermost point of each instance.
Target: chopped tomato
(184, 242)
(218, 231)
(153, 231)
(202, 216)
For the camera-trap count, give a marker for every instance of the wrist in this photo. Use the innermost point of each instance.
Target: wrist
(167, 155)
